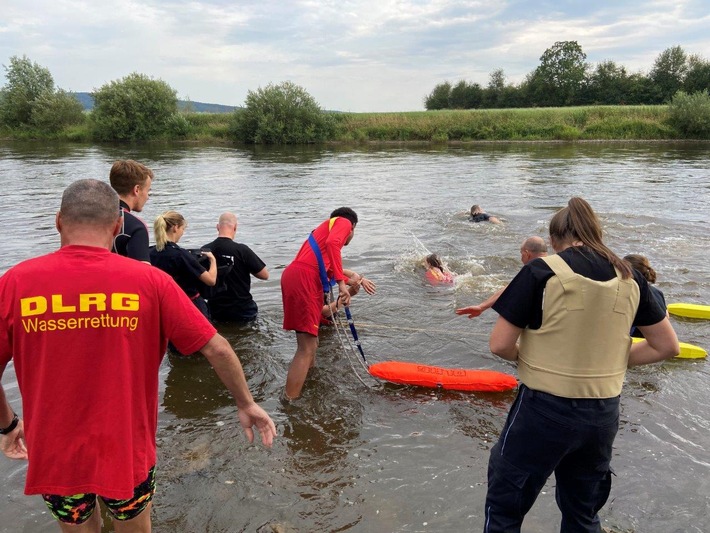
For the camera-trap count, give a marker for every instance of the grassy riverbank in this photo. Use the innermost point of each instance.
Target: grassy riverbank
(546, 124)
(538, 124)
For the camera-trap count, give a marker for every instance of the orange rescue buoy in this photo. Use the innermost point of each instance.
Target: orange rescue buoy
(446, 378)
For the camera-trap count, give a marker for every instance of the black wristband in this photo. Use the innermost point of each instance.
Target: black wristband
(12, 426)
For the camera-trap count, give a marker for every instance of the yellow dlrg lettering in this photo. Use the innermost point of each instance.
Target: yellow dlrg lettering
(59, 307)
(97, 300)
(35, 305)
(123, 301)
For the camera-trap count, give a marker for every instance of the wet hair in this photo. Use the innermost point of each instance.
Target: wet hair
(345, 212)
(640, 263)
(578, 222)
(435, 262)
(126, 174)
(89, 201)
(474, 209)
(164, 223)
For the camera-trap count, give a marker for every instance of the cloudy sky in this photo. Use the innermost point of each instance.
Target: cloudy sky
(350, 55)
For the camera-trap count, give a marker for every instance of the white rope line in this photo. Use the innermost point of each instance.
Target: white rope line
(366, 325)
(349, 354)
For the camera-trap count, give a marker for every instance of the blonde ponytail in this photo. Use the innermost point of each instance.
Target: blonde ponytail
(162, 224)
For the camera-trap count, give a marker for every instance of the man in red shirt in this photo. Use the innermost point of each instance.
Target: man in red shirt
(302, 291)
(87, 330)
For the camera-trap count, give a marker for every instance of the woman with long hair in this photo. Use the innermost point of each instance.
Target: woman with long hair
(566, 319)
(187, 272)
(436, 271)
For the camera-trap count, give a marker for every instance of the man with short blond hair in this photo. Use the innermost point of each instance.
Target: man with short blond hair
(132, 181)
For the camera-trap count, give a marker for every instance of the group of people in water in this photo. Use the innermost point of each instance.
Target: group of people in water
(87, 330)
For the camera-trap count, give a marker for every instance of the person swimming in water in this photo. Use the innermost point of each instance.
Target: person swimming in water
(436, 271)
(478, 215)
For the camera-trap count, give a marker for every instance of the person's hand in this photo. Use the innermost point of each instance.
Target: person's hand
(354, 287)
(344, 294)
(208, 254)
(253, 415)
(472, 311)
(368, 285)
(13, 444)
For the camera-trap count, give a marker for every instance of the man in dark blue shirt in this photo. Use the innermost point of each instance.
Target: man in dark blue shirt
(132, 181)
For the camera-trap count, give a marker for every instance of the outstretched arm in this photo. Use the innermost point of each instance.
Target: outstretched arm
(356, 281)
(221, 356)
(475, 310)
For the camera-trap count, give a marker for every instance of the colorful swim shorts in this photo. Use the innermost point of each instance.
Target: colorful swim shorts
(78, 508)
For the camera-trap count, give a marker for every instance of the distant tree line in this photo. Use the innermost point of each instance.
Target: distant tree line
(139, 108)
(564, 78)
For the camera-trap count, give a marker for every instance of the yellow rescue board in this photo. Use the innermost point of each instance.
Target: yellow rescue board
(687, 351)
(690, 310)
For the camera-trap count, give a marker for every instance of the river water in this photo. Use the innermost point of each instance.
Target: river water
(358, 455)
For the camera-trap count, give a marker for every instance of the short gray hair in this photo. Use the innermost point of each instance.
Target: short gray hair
(90, 201)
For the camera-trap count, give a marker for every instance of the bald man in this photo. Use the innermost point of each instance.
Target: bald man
(532, 248)
(236, 263)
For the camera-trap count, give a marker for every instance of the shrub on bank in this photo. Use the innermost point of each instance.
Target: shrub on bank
(280, 114)
(134, 108)
(690, 114)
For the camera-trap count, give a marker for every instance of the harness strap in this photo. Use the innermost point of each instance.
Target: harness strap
(321, 264)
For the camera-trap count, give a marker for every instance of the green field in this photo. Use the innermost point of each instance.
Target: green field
(564, 123)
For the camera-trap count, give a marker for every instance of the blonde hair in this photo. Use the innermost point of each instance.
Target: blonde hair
(163, 223)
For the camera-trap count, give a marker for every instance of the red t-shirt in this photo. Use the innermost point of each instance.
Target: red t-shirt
(87, 330)
(330, 236)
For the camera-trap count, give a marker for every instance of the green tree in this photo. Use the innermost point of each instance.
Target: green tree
(26, 82)
(133, 108)
(281, 114)
(493, 92)
(562, 72)
(698, 75)
(465, 96)
(52, 112)
(438, 98)
(608, 84)
(668, 73)
(690, 114)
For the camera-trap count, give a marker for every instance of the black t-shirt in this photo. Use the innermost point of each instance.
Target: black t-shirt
(181, 265)
(521, 302)
(479, 217)
(132, 241)
(244, 263)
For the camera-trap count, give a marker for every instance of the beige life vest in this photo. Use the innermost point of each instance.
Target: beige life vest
(582, 347)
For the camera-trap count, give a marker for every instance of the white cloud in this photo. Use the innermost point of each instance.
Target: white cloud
(353, 55)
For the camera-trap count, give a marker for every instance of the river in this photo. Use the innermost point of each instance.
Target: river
(358, 455)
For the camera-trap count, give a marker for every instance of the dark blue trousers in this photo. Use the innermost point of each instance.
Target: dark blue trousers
(545, 434)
